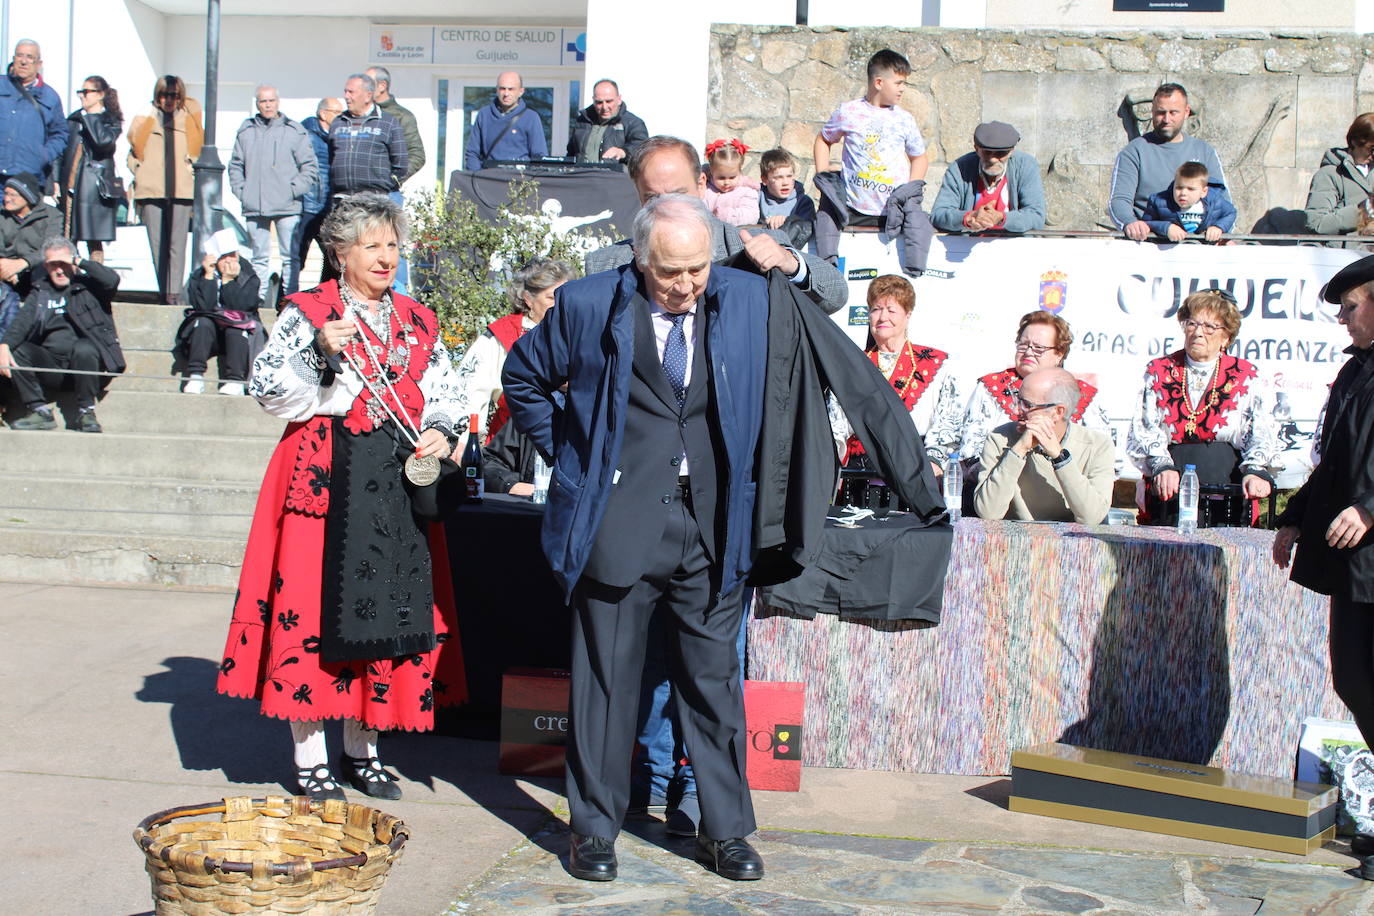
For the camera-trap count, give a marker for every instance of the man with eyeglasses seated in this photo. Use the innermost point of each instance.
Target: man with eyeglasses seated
(1043, 340)
(1200, 406)
(1043, 467)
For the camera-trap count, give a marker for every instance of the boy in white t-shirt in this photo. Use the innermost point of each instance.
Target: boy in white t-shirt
(882, 148)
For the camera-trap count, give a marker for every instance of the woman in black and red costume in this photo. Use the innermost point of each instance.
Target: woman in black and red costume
(1043, 340)
(340, 613)
(1200, 406)
(917, 373)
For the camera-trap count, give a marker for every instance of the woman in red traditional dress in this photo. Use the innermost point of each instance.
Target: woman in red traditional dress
(479, 374)
(918, 374)
(345, 604)
(1200, 406)
(1042, 342)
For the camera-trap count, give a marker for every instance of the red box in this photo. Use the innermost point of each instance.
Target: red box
(534, 721)
(773, 717)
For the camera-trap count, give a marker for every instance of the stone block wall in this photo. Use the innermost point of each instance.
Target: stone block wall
(1271, 103)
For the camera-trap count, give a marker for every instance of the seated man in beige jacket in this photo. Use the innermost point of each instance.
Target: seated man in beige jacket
(1042, 467)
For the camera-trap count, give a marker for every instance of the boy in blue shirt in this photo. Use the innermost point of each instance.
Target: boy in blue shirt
(1188, 209)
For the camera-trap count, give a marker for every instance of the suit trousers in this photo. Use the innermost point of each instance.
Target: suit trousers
(610, 632)
(168, 223)
(1352, 660)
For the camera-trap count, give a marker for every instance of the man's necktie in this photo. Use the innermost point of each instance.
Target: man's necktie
(675, 358)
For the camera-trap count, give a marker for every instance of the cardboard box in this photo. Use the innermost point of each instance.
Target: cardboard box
(534, 721)
(1166, 796)
(773, 718)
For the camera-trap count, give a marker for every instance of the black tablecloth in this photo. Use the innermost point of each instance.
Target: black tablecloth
(510, 610)
(892, 569)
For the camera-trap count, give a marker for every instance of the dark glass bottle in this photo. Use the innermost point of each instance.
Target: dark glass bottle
(472, 463)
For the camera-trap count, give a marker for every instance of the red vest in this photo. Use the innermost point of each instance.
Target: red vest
(1169, 379)
(507, 331)
(1004, 387)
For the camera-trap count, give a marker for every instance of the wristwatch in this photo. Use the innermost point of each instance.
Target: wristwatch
(1063, 459)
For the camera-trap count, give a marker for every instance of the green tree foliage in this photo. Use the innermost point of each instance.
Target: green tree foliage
(462, 264)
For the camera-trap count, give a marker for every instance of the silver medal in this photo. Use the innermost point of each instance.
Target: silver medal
(422, 471)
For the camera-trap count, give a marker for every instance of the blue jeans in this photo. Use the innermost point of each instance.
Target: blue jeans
(260, 231)
(402, 282)
(661, 760)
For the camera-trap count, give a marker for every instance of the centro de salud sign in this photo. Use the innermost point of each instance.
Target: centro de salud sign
(476, 45)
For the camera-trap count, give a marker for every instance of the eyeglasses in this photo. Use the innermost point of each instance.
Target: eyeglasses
(1028, 407)
(88, 91)
(1205, 327)
(1023, 346)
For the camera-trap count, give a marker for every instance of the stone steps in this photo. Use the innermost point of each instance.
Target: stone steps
(168, 507)
(67, 556)
(208, 414)
(193, 458)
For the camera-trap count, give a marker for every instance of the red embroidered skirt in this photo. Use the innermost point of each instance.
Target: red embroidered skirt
(272, 651)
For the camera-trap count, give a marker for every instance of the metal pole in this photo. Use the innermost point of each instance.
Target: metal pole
(209, 171)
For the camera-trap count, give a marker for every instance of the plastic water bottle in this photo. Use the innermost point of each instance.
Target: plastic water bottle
(542, 473)
(954, 487)
(1187, 501)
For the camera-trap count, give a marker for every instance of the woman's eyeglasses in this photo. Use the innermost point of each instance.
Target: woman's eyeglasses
(87, 91)
(1205, 327)
(1033, 349)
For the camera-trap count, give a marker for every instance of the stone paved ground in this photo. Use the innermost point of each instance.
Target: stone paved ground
(818, 874)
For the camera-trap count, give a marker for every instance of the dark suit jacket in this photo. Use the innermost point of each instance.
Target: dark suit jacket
(1344, 478)
(824, 284)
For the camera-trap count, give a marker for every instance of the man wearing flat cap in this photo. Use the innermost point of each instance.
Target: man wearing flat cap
(1329, 519)
(993, 188)
(25, 225)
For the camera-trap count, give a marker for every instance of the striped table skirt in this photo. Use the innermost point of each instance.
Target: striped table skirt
(1126, 639)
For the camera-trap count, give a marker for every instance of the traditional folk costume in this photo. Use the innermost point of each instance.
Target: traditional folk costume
(1214, 416)
(995, 400)
(927, 388)
(345, 605)
(479, 374)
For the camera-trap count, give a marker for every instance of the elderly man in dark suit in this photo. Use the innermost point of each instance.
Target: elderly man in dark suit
(1330, 518)
(667, 165)
(650, 511)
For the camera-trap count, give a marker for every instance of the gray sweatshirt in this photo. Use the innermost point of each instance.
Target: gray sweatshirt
(1146, 166)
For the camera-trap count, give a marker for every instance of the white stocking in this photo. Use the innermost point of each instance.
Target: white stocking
(309, 738)
(359, 743)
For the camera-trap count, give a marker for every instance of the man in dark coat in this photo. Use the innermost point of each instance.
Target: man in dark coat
(650, 511)
(1330, 518)
(24, 226)
(605, 129)
(65, 323)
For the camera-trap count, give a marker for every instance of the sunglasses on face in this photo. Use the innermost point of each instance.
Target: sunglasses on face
(88, 91)
(1028, 407)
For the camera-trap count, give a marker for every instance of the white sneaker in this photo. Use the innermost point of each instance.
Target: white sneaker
(234, 389)
(193, 384)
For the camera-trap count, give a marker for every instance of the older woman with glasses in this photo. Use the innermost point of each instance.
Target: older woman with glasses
(1200, 406)
(163, 142)
(1042, 342)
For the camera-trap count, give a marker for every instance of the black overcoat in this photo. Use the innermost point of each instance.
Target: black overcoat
(1344, 477)
(87, 164)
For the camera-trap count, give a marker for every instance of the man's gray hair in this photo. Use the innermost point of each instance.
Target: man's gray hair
(31, 43)
(356, 215)
(368, 82)
(261, 87)
(59, 241)
(537, 276)
(666, 208)
(1065, 391)
(380, 75)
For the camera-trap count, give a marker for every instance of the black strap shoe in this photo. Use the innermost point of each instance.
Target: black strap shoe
(318, 783)
(591, 858)
(367, 776)
(734, 859)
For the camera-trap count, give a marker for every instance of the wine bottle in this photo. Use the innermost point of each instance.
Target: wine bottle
(475, 484)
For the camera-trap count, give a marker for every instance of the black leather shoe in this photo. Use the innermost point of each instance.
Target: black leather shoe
(1362, 845)
(734, 859)
(367, 776)
(591, 858)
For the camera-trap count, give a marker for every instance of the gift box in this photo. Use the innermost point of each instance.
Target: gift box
(773, 717)
(534, 721)
(1166, 796)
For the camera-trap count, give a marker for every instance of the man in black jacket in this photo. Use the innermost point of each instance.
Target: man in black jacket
(65, 323)
(605, 129)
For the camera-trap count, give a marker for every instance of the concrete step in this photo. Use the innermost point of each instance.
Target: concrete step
(31, 554)
(208, 414)
(148, 507)
(155, 326)
(224, 459)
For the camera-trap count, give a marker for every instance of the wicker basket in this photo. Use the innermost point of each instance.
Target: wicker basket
(269, 855)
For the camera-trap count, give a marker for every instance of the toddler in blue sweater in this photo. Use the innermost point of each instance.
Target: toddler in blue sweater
(1188, 209)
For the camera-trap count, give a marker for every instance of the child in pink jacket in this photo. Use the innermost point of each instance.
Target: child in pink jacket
(730, 194)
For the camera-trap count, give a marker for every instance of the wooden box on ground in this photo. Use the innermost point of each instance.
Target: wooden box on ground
(1165, 796)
